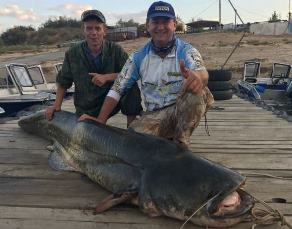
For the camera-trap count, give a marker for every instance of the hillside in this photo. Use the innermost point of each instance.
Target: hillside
(215, 48)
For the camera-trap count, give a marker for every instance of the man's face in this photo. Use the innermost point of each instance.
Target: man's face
(94, 32)
(161, 30)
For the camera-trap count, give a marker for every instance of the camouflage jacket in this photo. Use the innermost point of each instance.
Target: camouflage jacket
(88, 98)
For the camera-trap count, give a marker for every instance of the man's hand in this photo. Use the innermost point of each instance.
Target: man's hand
(194, 79)
(49, 113)
(89, 117)
(98, 79)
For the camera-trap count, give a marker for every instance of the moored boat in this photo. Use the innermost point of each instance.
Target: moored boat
(17, 94)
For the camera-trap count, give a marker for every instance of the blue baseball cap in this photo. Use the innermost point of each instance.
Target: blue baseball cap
(161, 9)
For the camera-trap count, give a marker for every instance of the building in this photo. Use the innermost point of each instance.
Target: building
(202, 25)
(121, 34)
(271, 28)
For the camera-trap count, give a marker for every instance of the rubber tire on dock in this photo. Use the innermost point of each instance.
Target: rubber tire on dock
(219, 75)
(219, 85)
(222, 95)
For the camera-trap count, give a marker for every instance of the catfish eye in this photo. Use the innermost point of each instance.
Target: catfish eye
(189, 212)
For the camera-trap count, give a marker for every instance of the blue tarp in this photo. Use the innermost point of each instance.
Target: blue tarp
(290, 26)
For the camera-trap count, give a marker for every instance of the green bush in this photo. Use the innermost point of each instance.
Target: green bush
(53, 31)
(17, 35)
(61, 22)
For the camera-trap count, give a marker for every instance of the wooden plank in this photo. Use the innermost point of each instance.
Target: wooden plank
(258, 173)
(76, 193)
(243, 136)
(243, 142)
(246, 161)
(24, 156)
(35, 172)
(234, 114)
(261, 187)
(41, 144)
(283, 129)
(240, 146)
(23, 143)
(85, 219)
(43, 171)
(201, 135)
(239, 109)
(253, 151)
(66, 218)
(240, 135)
(248, 123)
(40, 171)
(215, 119)
(50, 187)
(281, 132)
(54, 201)
(242, 160)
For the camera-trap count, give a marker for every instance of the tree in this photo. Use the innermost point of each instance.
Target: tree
(275, 17)
(17, 35)
(1, 42)
(128, 23)
(61, 22)
(142, 31)
(179, 24)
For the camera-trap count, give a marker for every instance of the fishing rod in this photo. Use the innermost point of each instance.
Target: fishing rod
(236, 46)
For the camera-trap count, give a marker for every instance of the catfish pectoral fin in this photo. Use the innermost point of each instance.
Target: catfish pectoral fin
(114, 199)
(56, 162)
(50, 148)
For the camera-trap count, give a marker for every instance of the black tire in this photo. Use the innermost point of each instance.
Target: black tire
(219, 75)
(219, 85)
(222, 95)
(250, 80)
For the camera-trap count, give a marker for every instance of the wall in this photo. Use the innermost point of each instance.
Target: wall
(275, 28)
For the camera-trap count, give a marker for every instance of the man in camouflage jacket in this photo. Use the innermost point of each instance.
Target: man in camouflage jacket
(92, 65)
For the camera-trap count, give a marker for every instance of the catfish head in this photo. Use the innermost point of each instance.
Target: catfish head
(190, 184)
(49, 129)
(35, 123)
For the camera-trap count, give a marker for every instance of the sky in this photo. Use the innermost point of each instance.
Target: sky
(36, 12)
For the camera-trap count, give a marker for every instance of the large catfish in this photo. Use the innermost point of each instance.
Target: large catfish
(158, 175)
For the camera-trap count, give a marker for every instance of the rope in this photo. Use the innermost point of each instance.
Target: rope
(207, 126)
(267, 216)
(235, 47)
(259, 216)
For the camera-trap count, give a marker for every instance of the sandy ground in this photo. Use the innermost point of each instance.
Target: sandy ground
(215, 49)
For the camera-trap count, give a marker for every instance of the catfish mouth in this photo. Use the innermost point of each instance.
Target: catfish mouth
(29, 122)
(235, 204)
(227, 210)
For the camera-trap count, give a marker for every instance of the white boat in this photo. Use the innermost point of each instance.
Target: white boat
(36, 75)
(2, 111)
(17, 91)
(277, 85)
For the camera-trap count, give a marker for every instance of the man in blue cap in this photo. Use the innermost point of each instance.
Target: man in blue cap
(173, 81)
(92, 65)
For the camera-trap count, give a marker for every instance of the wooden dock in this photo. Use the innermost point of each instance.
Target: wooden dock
(243, 137)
